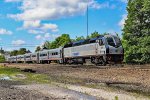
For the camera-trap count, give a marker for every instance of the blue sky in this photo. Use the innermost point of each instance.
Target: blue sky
(27, 23)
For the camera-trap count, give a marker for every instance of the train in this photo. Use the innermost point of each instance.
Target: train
(100, 50)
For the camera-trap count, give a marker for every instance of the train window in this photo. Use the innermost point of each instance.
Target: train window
(101, 42)
(27, 56)
(41, 55)
(55, 53)
(117, 40)
(110, 41)
(33, 55)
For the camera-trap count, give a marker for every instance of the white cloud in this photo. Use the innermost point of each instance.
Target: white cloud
(50, 36)
(53, 9)
(18, 42)
(94, 4)
(125, 1)
(35, 31)
(31, 24)
(12, 0)
(38, 37)
(5, 32)
(50, 26)
(122, 21)
(36, 27)
(47, 36)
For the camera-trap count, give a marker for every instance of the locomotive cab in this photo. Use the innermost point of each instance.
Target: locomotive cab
(114, 49)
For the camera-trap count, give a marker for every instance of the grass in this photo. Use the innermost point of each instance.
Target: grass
(116, 98)
(29, 77)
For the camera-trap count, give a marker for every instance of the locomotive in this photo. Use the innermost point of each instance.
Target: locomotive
(100, 50)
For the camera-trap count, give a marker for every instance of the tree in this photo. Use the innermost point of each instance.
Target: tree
(59, 41)
(2, 51)
(136, 34)
(2, 59)
(22, 51)
(94, 34)
(14, 53)
(38, 48)
(79, 38)
(47, 45)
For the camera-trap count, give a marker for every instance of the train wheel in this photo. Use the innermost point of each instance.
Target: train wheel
(93, 60)
(102, 62)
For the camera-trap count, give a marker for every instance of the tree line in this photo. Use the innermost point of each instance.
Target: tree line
(21, 51)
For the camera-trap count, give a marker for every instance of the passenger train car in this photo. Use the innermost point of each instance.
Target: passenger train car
(100, 50)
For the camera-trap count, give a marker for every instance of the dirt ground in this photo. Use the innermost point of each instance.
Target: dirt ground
(139, 75)
(8, 92)
(131, 78)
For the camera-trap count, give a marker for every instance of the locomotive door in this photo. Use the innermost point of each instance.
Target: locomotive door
(96, 48)
(101, 47)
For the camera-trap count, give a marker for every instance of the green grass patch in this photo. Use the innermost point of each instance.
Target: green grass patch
(9, 71)
(24, 77)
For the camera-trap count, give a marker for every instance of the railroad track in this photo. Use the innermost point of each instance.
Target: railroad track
(114, 66)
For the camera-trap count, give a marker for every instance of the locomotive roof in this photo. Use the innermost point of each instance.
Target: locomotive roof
(70, 44)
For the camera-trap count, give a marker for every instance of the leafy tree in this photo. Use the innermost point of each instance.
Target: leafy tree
(14, 53)
(2, 59)
(136, 32)
(59, 41)
(47, 45)
(2, 51)
(94, 34)
(21, 51)
(79, 38)
(38, 48)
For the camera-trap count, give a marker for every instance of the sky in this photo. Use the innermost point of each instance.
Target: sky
(29, 23)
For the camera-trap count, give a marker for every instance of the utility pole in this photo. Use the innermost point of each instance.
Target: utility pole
(87, 19)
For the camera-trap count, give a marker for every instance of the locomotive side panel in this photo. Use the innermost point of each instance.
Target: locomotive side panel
(80, 51)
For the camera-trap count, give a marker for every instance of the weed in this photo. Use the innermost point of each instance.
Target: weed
(116, 98)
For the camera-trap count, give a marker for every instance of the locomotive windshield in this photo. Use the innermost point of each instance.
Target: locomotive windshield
(113, 41)
(110, 41)
(117, 40)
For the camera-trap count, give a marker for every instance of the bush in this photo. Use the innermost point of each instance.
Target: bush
(2, 59)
